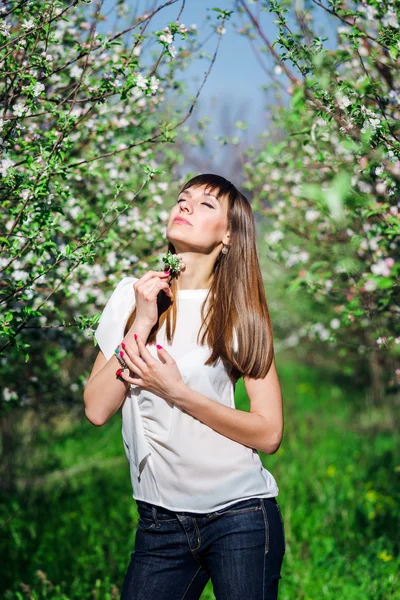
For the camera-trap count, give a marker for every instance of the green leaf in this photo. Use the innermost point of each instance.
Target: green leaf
(336, 195)
(385, 283)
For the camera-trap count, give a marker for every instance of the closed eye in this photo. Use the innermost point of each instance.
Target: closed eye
(206, 203)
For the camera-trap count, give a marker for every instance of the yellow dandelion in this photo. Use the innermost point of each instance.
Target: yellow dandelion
(384, 556)
(371, 496)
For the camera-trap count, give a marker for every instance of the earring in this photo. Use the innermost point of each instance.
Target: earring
(224, 249)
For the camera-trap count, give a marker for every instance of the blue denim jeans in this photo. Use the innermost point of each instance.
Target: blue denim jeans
(240, 547)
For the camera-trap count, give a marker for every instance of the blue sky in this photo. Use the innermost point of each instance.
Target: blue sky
(236, 75)
(236, 79)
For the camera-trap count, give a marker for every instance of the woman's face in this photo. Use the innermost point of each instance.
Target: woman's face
(207, 219)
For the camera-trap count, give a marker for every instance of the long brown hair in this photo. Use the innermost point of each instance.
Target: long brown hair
(237, 296)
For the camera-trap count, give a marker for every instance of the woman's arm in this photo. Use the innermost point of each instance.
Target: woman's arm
(104, 392)
(261, 428)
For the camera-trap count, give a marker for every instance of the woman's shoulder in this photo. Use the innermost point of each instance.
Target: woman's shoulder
(126, 282)
(111, 324)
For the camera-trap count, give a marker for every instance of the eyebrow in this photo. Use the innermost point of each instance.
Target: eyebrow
(209, 195)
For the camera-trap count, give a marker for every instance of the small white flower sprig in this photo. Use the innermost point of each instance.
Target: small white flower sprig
(174, 262)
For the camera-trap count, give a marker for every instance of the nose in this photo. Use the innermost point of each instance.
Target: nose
(183, 205)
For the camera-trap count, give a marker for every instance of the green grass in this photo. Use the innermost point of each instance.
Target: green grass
(70, 535)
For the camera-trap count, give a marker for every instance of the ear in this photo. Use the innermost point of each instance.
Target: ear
(227, 240)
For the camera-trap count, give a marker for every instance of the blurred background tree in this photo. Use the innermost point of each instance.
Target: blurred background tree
(327, 179)
(87, 124)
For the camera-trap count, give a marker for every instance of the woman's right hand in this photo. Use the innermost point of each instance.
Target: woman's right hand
(147, 289)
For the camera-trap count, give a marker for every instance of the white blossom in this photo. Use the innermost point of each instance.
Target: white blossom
(6, 164)
(20, 109)
(390, 19)
(5, 28)
(38, 89)
(274, 236)
(28, 24)
(141, 82)
(154, 83)
(8, 394)
(394, 96)
(168, 38)
(370, 285)
(381, 268)
(76, 71)
(343, 101)
(2, 123)
(311, 215)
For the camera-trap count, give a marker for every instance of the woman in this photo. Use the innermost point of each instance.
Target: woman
(207, 505)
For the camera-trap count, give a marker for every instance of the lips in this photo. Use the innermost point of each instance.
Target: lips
(181, 220)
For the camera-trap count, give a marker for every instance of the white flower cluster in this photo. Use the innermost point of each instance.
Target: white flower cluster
(20, 109)
(390, 19)
(274, 236)
(167, 38)
(145, 83)
(5, 28)
(295, 256)
(390, 156)
(28, 25)
(9, 394)
(343, 101)
(370, 285)
(6, 164)
(394, 97)
(311, 215)
(370, 11)
(316, 330)
(37, 89)
(383, 267)
(372, 120)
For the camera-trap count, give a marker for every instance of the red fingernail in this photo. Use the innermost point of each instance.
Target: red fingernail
(118, 373)
(159, 347)
(123, 345)
(121, 354)
(135, 336)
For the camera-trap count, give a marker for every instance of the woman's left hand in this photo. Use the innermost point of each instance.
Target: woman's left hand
(161, 378)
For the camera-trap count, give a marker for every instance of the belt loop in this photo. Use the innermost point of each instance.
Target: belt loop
(154, 513)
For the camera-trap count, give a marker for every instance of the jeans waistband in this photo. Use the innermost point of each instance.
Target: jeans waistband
(161, 510)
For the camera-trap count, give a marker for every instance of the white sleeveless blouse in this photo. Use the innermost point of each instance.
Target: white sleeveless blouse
(176, 461)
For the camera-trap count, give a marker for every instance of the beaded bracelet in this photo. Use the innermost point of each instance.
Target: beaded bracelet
(120, 359)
